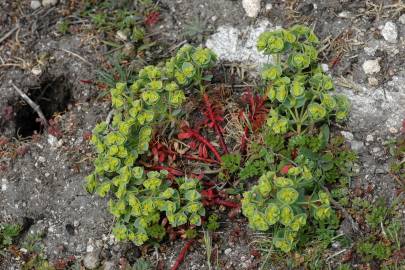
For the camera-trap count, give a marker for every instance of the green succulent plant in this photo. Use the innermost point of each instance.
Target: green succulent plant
(296, 82)
(297, 157)
(139, 197)
(281, 204)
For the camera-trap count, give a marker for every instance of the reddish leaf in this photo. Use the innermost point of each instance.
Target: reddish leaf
(152, 18)
(185, 135)
(213, 119)
(208, 194)
(285, 169)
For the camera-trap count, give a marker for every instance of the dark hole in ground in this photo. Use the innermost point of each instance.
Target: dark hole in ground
(52, 95)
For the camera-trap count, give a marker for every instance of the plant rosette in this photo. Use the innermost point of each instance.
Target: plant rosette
(280, 204)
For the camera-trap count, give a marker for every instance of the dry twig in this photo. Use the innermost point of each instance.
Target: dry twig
(33, 105)
(9, 33)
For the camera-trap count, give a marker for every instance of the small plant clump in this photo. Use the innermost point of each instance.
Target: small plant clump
(141, 193)
(296, 163)
(286, 143)
(8, 232)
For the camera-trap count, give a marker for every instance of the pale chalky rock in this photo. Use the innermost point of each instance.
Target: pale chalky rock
(371, 66)
(49, 3)
(35, 5)
(252, 7)
(229, 45)
(390, 32)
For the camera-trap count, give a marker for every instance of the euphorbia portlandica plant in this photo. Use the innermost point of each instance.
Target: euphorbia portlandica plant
(302, 102)
(296, 84)
(279, 203)
(141, 199)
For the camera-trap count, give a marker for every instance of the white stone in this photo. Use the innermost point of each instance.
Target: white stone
(3, 184)
(345, 14)
(227, 251)
(372, 81)
(390, 32)
(35, 5)
(393, 130)
(269, 6)
(252, 7)
(348, 135)
(121, 35)
(229, 46)
(53, 141)
(325, 68)
(402, 19)
(48, 3)
(36, 70)
(371, 66)
(369, 138)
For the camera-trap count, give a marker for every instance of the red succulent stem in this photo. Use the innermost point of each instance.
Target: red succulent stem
(244, 140)
(228, 204)
(217, 128)
(204, 141)
(182, 254)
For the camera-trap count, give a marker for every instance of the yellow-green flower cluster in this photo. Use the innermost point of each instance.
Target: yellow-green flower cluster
(296, 82)
(139, 198)
(279, 203)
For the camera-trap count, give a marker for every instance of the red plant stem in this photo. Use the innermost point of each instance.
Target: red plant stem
(204, 141)
(244, 140)
(182, 254)
(216, 126)
(226, 203)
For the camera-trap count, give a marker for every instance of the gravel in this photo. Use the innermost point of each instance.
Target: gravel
(390, 32)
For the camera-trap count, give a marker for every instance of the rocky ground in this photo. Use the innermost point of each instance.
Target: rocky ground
(42, 175)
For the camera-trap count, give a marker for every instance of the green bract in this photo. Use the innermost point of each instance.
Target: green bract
(287, 197)
(296, 81)
(140, 200)
(276, 199)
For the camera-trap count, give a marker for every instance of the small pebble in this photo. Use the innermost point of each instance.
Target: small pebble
(251, 7)
(371, 66)
(390, 32)
(121, 35)
(49, 3)
(3, 184)
(369, 138)
(268, 7)
(35, 5)
(372, 81)
(227, 251)
(393, 130)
